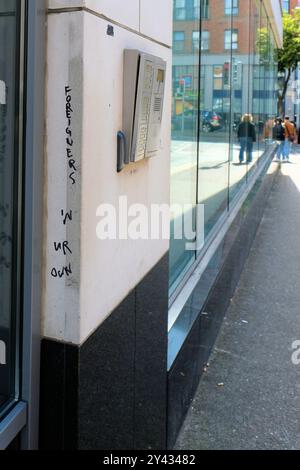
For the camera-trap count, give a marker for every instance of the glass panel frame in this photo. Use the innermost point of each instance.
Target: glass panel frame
(12, 75)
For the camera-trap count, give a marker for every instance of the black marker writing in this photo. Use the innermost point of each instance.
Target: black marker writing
(64, 246)
(66, 270)
(71, 178)
(69, 139)
(66, 216)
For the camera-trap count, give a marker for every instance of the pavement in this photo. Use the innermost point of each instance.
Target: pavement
(249, 395)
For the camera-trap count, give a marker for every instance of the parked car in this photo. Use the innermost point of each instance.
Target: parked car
(210, 121)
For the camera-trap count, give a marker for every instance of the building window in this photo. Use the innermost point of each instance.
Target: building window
(179, 10)
(231, 39)
(286, 6)
(195, 39)
(205, 40)
(231, 7)
(178, 41)
(205, 9)
(218, 77)
(196, 9)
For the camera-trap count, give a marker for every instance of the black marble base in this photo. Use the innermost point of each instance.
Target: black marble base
(204, 311)
(111, 392)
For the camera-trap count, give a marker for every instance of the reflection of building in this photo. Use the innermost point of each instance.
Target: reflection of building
(291, 104)
(289, 5)
(225, 76)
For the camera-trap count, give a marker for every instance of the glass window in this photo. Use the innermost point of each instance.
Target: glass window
(214, 123)
(241, 151)
(205, 9)
(205, 37)
(268, 64)
(231, 7)
(195, 39)
(234, 39)
(196, 9)
(238, 84)
(178, 41)
(204, 40)
(286, 5)
(230, 39)
(184, 149)
(9, 204)
(179, 10)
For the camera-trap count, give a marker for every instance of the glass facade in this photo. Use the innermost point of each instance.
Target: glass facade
(286, 6)
(10, 193)
(224, 69)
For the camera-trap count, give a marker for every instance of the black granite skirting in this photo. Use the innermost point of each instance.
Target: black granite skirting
(204, 311)
(111, 392)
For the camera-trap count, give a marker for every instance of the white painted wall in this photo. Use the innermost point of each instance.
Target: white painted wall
(83, 56)
(151, 18)
(65, 3)
(125, 12)
(155, 18)
(64, 67)
(110, 269)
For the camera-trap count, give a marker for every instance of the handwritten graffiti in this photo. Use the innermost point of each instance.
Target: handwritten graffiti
(69, 136)
(66, 215)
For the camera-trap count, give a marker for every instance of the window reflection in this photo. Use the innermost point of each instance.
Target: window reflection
(238, 76)
(215, 115)
(186, 42)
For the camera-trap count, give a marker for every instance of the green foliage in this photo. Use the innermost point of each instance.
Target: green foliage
(263, 45)
(289, 55)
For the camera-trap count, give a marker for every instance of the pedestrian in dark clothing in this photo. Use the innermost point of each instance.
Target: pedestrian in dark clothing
(246, 135)
(279, 136)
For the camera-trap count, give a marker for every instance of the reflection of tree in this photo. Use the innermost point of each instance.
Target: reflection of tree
(289, 55)
(263, 46)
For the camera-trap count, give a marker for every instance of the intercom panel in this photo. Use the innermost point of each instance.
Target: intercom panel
(143, 96)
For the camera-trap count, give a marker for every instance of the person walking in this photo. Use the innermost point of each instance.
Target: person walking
(247, 136)
(289, 134)
(279, 136)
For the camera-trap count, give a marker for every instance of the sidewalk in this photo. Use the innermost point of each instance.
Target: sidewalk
(249, 397)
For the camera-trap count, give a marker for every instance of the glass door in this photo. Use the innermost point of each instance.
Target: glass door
(10, 201)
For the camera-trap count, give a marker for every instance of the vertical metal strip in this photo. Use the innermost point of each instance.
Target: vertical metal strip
(33, 211)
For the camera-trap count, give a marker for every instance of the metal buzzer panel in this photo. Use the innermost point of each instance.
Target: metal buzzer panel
(143, 94)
